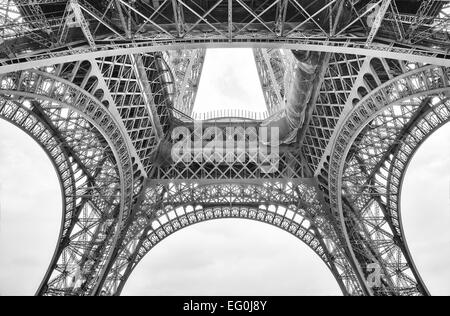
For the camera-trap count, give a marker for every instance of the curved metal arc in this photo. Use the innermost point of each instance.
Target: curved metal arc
(223, 195)
(62, 188)
(140, 229)
(119, 156)
(341, 211)
(240, 215)
(344, 145)
(410, 158)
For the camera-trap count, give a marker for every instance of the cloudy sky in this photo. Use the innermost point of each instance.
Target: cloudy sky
(30, 212)
(229, 81)
(226, 257)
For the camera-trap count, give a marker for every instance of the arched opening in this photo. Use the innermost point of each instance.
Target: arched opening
(426, 210)
(231, 257)
(30, 206)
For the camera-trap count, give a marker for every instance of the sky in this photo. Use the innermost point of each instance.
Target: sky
(222, 257)
(229, 81)
(426, 211)
(30, 212)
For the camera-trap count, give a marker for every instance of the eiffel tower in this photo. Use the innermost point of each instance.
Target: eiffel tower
(353, 88)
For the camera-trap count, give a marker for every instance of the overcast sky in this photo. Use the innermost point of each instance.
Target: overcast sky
(30, 207)
(226, 257)
(229, 81)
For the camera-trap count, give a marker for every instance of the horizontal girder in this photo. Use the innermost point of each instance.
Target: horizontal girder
(139, 27)
(226, 150)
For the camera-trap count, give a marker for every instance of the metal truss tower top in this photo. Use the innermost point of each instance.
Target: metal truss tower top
(107, 88)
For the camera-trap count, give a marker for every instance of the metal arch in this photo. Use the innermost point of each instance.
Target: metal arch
(24, 119)
(425, 81)
(372, 188)
(344, 84)
(113, 98)
(366, 179)
(436, 118)
(43, 37)
(401, 135)
(88, 76)
(342, 88)
(222, 212)
(287, 200)
(107, 96)
(97, 197)
(68, 95)
(29, 123)
(294, 198)
(71, 96)
(75, 190)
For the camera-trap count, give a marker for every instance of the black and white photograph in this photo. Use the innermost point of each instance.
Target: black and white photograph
(225, 155)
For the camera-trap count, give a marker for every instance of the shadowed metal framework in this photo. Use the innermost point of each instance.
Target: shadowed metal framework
(355, 86)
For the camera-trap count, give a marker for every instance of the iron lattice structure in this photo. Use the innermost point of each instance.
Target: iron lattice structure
(356, 85)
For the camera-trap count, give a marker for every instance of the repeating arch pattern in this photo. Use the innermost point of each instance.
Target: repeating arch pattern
(292, 206)
(69, 121)
(173, 221)
(377, 138)
(105, 93)
(103, 175)
(435, 116)
(28, 122)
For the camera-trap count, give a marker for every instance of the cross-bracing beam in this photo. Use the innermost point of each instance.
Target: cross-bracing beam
(146, 90)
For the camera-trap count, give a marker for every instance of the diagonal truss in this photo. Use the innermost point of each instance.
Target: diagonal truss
(368, 210)
(101, 86)
(99, 169)
(418, 29)
(291, 206)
